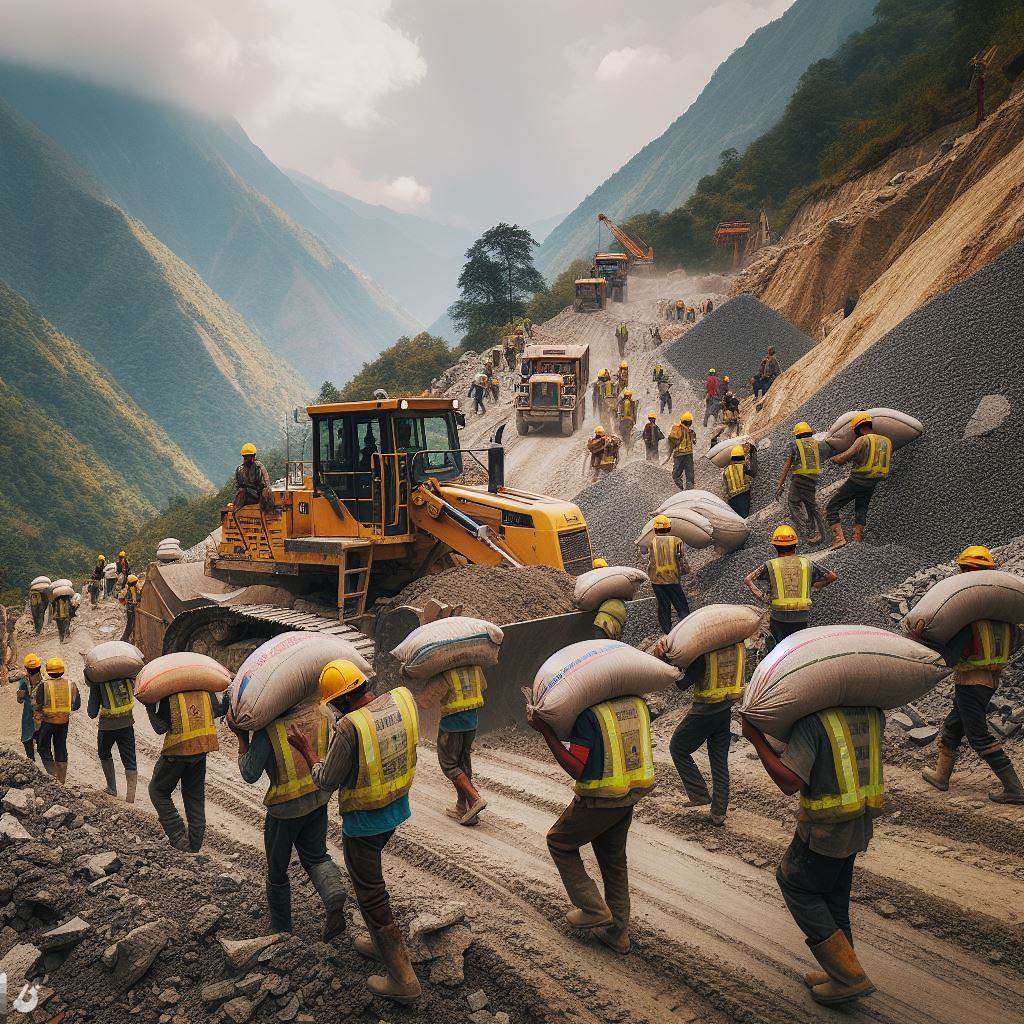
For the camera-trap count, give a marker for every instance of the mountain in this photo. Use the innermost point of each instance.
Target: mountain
(745, 97)
(175, 348)
(216, 201)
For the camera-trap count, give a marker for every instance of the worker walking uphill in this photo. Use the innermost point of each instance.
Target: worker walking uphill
(373, 793)
(54, 699)
(96, 579)
(658, 374)
(604, 452)
(130, 598)
(63, 612)
(681, 439)
(666, 566)
(622, 377)
(712, 401)
(30, 718)
(186, 722)
(834, 824)
(731, 414)
(123, 569)
(621, 337)
(627, 415)
(477, 391)
(803, 466)
(113, 703)
(978, 653)
(653, 436)
(604, 399)
(109, 580)
(871, 455)
(738, 477)
(788, 582)
(252, 482)
(769, 370)
(38, 601)
(611, 615)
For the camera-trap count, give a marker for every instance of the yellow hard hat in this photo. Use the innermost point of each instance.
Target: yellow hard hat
(101, 558)
(600, 563)
(738, 452)
(802, 429)
(598, 431)
(605, 373)
(623, 365)
(248, 449)
(338, 678)
(120, 554)
(652, 415)
(727, 377)
(55, 666)
(712, 370)
(32, 662)
(687, 417)
(662, 523)
(977, 555)
(784, 536)
(132, 578)
(860, 420)
(628, 392)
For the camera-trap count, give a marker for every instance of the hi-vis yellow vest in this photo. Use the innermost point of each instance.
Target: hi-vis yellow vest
(606, 388)
(131, 595)
(791, 583)
(855, 736)
(736, 479)
(809, 455)
(35, 598)
(388, 730)
(56, 700)
(628, 759)
(116, 698)
(627, 411)
(995, 642)
(663, 561)
(723, 675)
(684, 445)
(875, 465)
(611, 617)
(465, 690)
(292, 777)
(192, 730)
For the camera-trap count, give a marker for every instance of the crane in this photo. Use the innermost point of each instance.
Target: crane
(640, 252)
(980, 64)
(735, 233)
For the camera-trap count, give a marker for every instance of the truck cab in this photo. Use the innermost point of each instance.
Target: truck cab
(551, 391)
(591, 294)
(614, 268)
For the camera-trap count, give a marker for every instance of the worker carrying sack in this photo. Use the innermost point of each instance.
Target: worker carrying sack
(588, 673)
(957, 601)
(448, 643)
(110, 571)
(691, 498)
(62, 589)
(61, 583)
(113, 659)
(689, 525)
(900, 428)
(181, 672)
(284, 672)
(721, 453)
(596, 586)
(838, 667)
(711, 628)
(40, 583)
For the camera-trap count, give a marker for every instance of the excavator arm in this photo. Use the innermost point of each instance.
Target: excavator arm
(636, 248)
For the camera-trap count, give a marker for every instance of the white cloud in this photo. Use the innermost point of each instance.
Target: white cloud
(617, 64)
(408, 192)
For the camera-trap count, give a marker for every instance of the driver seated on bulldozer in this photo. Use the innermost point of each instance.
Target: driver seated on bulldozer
(253, 481)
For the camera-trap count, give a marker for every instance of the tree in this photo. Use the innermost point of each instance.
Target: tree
(328, 394)
(551, 301)
(406, 368)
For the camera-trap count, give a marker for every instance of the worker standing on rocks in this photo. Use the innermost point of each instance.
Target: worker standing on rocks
(871, 455)
(731, 413)
(30, 718)
(610, 757)
(622, 377)
(38, 601)
(738, 477)
(55, 698)
(604, 398)
(804, 463)
(770, 369)
(62, 614)
(130, 597)
(681, 439)
(665, 395)
(96, 579)
(252, 482)
(477, 390)
(114, 704)
(510, 353)
(978, 653)
(611, 614)
(666, 566)
(621, 337)
(109, 580)
(627, 414)
(834, 824)
(652, 436)
(711, 390)
(789, 579)
(374, 798)
(495, 389)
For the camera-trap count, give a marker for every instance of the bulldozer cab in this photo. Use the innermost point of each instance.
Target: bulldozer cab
(590, 294)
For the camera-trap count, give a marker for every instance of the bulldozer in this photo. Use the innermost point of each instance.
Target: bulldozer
(383, 502)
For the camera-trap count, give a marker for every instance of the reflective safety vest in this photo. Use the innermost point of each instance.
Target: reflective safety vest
(809, 455)
(663, 561)
(56, 700)
(621, 331)
(62, 608)
(609, 454)
(292, 778)
(611, 617)
(131, 595)
(628, 759)
(35, 598)
(627, 411)
(736, 479)
(723, 675)
(875, 464)
(465, 690)
(855, 736)
(606, 388)
(791, 583)
(684, 445)
(994, 642)
(192, 730)
(388, 730)
(116, 698)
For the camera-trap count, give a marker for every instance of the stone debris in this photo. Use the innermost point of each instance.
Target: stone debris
(98, 865)
(242, 953)
(12, 831)
(19, 801)
(992, 412)
(132, 956)
(477, 1000)
(205, 919)
(65, 936)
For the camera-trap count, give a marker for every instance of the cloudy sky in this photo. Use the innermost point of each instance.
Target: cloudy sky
(466, 111)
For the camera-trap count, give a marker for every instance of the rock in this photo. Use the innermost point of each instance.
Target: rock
(19, 801)
(481, 1017)
(428, 923)
(276, 985)
(169, 997)
(290, 1009)
(65, 936)
(97, 865)
(18, 963)
(205, 919)
(134, 954)
(886, 909)
(992, 412)
(229, 881)
(12, 831)
(56, 814)
(108, 881)
(477, 1000)
(904, 721)
(238, 1010)
(923, 734)
(501, 1017)
(250, 984)
(216, 993)
(240, 953)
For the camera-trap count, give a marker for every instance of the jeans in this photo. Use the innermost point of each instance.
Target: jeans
(363, 863)
(666, 401)
(967, 718)
(125, 741)
(454, 753)
(816, 889)
(740, 504)
(53, 743)
(306, 835)
(803, 506)
(669, 596)
(692, 732)
(857, 491)
(682, 472)
(168, 772)
(711, 407)
(30, 748)
(780, 629)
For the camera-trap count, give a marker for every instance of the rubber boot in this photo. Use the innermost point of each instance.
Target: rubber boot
(107, 764)
(475, 803)
(847, 980)
(589, 908)
(279, 904)
(367, 947)
(838, 537)
(60, 771)
(131, 782)
(48, 767)
(400, 984)
(326, 879)
(858, 533)
(939, 775)
(616, 894)
(1012, 792)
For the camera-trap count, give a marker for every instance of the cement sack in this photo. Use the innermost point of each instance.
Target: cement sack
(900, 428)
(688, 525)
(110, 571)
(721, 453)
(40, 583)
(180, 672)
(837, 666)
(448, 643)
(957, 601)
(61, 583)
(587, 673)
(111, 660)
(63, 590)
(168, 555)
(710, 629)
(728, 529)
(596, 586)
(170, 541)
(283, 672)
(691, 498)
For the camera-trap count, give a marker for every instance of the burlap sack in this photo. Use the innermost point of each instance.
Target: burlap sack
(448, 643)
(113, 659)
(721, 453)
(596, 586)
(62, 590)
(957, 601)
(180, 672)
(689, 525)
(40, 583)
(62, 582)
(900, 428)
(692, 498)
(710, 629)
(728, 529)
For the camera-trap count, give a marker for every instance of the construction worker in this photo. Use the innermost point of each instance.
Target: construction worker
(804, 463)
(691, 315)
(38, 601)
(712, 388)
(680, 309)
(659, 373)
(477, 391)
(296, 817)
(681, 439)
(610, 757)
(109, 580)
(871, 455)
(627, 415)
(186, 722)
(488, 367)
(621, 337)
(622, 376)
(611, 615)
(495, 388)
(770, 369)
(252, 482)
(30, 719)
(604, 398)
(62, 614)
(122, 567)
(790, 580)
(96, 579)
(978, 653)
(652, 435)
(666, 566)
(604, 452)
(55, 697)
(130, 597)
(113, 703)
(731, 413)
(374, 799)
(738, 477)
(510, 353)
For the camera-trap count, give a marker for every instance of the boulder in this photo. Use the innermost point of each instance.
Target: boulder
(64, 936)
(205, 919)
(12, 831)
(96, 865)
(19, 801)
(241, 953)
(133, 955)
(18, 964)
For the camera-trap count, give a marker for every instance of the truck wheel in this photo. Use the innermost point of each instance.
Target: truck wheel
(567, 424)
(522, 427)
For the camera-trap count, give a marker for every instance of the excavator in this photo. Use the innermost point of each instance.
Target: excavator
(641, 255)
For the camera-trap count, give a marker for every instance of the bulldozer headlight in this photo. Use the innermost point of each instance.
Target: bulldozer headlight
(455, 403)
(403, 404)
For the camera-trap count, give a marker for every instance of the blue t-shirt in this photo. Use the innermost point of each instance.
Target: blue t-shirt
(586, 732)
(461, 721)
(373, 823)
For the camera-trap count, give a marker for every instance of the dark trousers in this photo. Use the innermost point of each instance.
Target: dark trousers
(363, 863)
(669, 596)
(190, 773)
(816, 889)
(682, 472)
(306, 835)
(967, 718)
(740, 504)
(63, 628)
(53, 743)
(857, 491)
(38, 614)
(665, 398)
(780, 629)
(124, 740)
(30, 748)
(803, 506)
(691, 733)
(454, 753)
(759, 386)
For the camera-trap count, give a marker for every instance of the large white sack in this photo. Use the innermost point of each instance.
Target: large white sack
(900, 428)
(283, 672)
(63, 590)
(168, 555)
(729, 530)
(596, 586)
(721, 454)
(959, 600)
(584, 674)
(692, 498)
(110, 570)
(113, 659)
(40, 583)
(62, 582)
(710, 629)
(181, 672)
(448, 643)
(837, 666)
(171, 541)
(689, 525)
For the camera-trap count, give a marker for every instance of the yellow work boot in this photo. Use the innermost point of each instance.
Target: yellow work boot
(939, 775)
(846, 978)
(838, 537)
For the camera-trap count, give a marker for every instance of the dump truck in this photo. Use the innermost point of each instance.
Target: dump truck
(552, 388)
(614, 268)
(591, 294)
